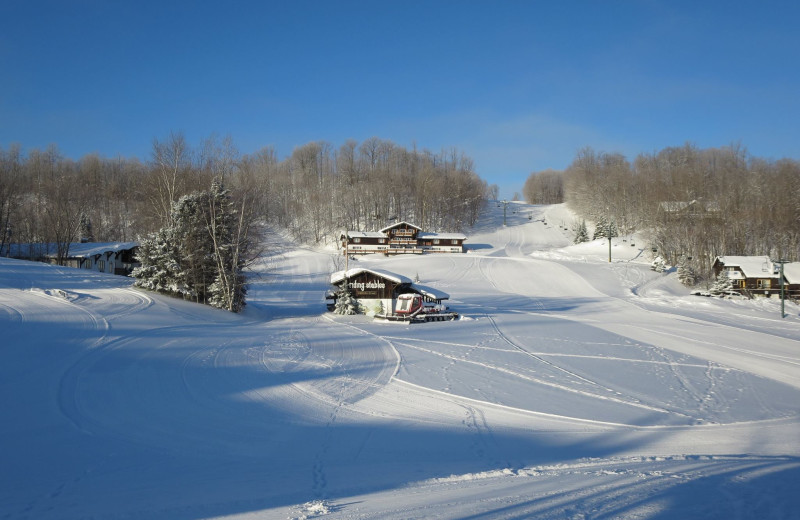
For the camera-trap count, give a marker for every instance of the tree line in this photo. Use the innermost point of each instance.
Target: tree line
(692, 204)
(47, 198)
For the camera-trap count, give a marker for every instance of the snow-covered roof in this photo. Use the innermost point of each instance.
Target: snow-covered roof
(351, 273)
(751, 266)
(443, 236)
(365, 234)
(76, 249)
(430, 292)
(87, 249)
(791, 272)
(402, 223)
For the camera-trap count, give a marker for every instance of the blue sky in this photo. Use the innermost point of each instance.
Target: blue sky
(519, 86)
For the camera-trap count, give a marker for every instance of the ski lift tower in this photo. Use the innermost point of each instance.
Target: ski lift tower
(783, 296)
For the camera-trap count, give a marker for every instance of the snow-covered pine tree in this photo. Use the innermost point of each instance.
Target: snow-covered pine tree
(345, 302)
(201, 255)
(686, 274)
(581, 233)
(194, 243)
(600, 229)
(722, 285)
(160, 268)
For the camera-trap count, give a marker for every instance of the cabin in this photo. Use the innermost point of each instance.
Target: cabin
(751, 275)
(106, 257)
(377, 290)
(401, 238)
(692, 209)
(791, 277)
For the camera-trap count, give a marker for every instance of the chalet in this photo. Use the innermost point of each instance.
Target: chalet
(106, 257)
(377, 291)
(791, 277)
(692, 209)
(401, 238)
(751, 275)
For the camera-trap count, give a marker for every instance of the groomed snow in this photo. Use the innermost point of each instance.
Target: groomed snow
(572, 387)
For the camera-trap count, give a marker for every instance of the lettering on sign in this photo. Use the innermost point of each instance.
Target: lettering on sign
(361, 286)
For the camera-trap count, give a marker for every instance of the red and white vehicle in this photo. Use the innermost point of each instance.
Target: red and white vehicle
(412, 307)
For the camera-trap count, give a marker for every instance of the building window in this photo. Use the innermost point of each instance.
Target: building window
(356, 240)
(381, 240)
(435, 241)
(764, 284)
(101, 265)
(455, 242)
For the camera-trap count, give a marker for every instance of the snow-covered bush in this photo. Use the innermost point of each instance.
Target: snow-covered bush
(658, 265)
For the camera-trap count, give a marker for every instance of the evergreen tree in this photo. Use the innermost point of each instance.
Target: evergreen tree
(722, 285)
(160, 268)
(686, 274)
(86, 233)
(600, 229)
(201, 255)
(605, 229)
(345, 302)
(581, 233)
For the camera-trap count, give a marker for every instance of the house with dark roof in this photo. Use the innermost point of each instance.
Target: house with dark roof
(401, 238)
(377, 290)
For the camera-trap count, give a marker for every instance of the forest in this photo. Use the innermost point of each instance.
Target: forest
(316, 191)
(692, 204)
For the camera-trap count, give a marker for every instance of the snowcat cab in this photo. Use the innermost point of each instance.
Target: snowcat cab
(408, 304)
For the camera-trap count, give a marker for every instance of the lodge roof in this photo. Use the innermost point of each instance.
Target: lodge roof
(364, 234)
(76, 249)
(351, 273)
(444, 236)
(791, 272)
(399, 224)
(430, 292)
(751, 266)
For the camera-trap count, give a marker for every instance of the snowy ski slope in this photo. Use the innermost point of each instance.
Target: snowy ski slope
(572, 388)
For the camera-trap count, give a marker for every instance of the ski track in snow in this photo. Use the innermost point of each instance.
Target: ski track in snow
(303, 415)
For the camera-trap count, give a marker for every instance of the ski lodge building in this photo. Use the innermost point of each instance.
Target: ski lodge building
(759, 276)
(105, 257)
(401, 238)
(377, 291)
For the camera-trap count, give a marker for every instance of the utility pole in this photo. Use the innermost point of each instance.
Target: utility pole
(505, 205)
(783, 296)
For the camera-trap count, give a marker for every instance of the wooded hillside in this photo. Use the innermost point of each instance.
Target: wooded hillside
(316, 191)
(689, 202)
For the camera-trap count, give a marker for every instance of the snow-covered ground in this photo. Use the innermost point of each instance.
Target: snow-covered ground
(572, 388)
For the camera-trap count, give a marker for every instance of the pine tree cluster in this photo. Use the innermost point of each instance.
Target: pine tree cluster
(581, 233)
(605, 229)
(201, 255)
